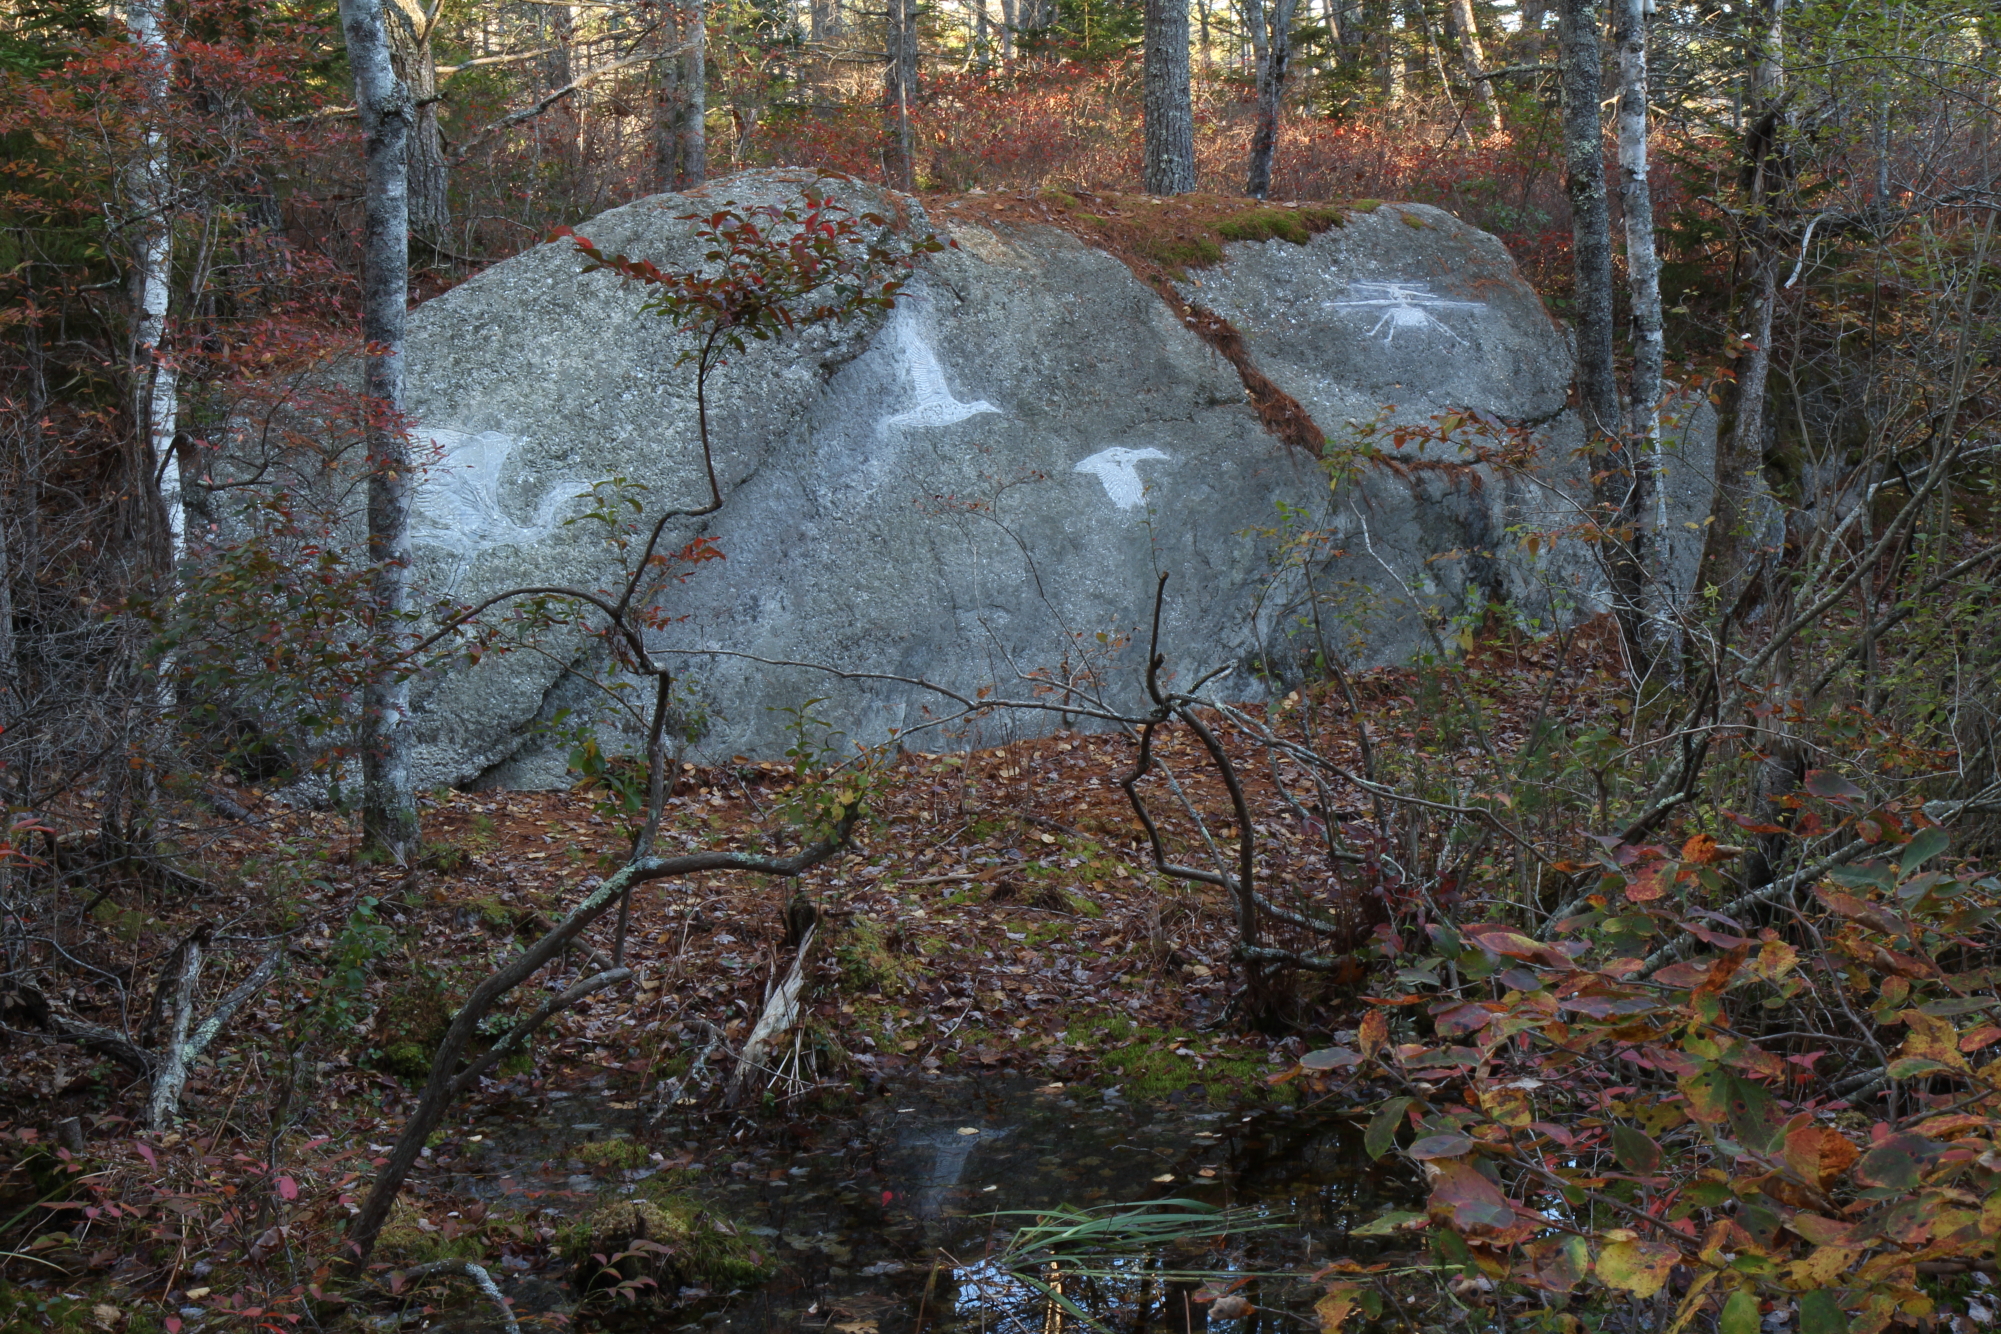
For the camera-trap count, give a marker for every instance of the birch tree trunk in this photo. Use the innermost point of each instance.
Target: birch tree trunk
(388, 807)
(1170, 113)
(1662, 633)
(899, 89)
(155, 383)
(1271, 45)
(1465, 32)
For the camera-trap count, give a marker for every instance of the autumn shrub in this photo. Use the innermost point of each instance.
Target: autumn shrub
(1725, 1112)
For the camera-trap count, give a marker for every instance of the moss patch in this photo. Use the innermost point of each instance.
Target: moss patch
(1142, 1062)
(610, 1155)
(868, 958)
(684, 1245)
(409, 1238)
(1157, 237)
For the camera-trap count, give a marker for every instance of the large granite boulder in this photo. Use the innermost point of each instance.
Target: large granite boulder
(986, 482)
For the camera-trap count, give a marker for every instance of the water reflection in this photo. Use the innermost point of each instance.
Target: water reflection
(886, 1224)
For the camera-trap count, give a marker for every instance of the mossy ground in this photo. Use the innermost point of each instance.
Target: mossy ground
(1158, 237)
(1146, 1063)
(610, 1155)
(409, 1238)
(686, 1245)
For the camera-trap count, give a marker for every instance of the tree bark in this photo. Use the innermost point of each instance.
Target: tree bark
(155, 383)
(691, 122)
(1615, 496)
(1169, 112)
(1590, 216)
(1271, 42)
(1731, 560)
(388, 806)
(410, 33)
(1388, 54)
(1662, 633)
(1465, 33)
(899, 90)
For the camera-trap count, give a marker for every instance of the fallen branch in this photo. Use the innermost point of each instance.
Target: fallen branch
(481, 1279)
(443, 1084)
(173, 1076)
(781, 1012)
(517, 1037)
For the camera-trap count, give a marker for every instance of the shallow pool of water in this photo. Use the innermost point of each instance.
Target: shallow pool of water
(886, 1222)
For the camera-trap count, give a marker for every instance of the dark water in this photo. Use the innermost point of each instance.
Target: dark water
(884, 1223)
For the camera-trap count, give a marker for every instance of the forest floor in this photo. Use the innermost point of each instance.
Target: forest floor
(998, 913)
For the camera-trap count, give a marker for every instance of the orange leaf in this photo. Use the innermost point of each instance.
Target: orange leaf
(1701, 850)
(1373, 1033)
(1646, 886)
(1819, 1154)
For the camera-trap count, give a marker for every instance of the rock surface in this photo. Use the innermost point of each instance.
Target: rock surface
(988, 480)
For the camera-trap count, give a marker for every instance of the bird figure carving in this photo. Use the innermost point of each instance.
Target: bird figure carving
(935, 405)
(1115, 468)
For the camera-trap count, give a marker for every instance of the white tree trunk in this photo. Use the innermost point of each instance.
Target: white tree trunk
(1465, 30)
(1271, 46)
(1662, 635)
(388, 806)
(155, 385)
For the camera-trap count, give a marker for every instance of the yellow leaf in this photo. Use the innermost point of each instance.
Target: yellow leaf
(1373, 1033)
(1820, 1269)
(1508, 1106)
(1774, 961)
(1638, 1267)
(1932, 1039)
(1692, 1303)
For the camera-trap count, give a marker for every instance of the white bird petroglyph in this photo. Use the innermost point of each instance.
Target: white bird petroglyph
(934, 405)
(1115, 468)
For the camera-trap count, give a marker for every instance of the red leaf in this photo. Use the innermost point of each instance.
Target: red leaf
(145, 1150)
(1750, 826)
(287, 1188)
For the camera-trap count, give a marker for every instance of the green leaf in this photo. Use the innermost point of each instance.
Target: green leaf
(1388, 1225)
(1451, 1145)
(1909, 1067)
(1928, 844)
(1636, 1152)
(1381, 1135)
(1873, 876)
(1740, 1313)
(1819, 1314)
